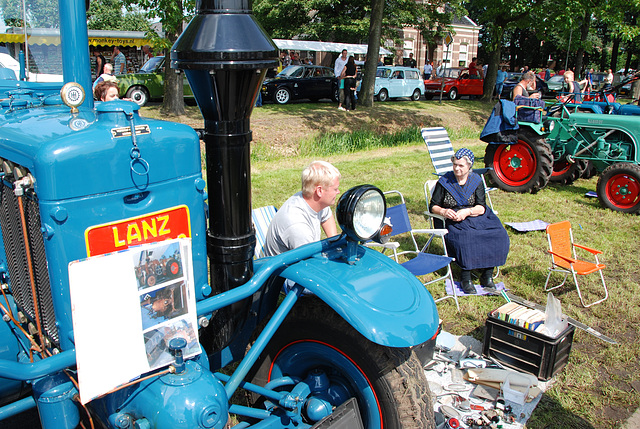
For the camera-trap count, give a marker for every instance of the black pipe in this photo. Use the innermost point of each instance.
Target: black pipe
(225, 54)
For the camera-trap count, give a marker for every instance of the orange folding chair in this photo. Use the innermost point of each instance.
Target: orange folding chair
(564, 259)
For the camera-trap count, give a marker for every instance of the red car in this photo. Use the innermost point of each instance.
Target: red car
(457, 83)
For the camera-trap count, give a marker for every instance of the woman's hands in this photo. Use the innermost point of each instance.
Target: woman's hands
(457, 216)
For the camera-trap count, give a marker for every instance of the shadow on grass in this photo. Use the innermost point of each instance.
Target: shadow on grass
(551, 414)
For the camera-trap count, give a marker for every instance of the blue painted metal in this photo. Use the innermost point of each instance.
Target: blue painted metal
(54, 396)
(17, 407)
(75, 46)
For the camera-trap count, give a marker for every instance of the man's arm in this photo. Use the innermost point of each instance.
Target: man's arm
(329, 227)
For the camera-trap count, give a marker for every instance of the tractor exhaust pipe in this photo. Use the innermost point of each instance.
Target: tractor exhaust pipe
(225, 55)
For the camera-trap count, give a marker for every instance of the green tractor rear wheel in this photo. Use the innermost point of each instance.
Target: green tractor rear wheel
(619, 187)
(565, 172)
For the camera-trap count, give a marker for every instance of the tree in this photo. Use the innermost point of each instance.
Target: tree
(40, 13)
(373, 52)
(108, 15)
(172, 15)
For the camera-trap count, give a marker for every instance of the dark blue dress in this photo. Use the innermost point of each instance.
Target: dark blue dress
(476, 242)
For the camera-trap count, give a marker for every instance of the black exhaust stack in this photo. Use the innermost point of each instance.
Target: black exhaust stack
(225, 55)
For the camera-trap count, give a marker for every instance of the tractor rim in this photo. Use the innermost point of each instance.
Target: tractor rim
(515, 164)
(623, 191)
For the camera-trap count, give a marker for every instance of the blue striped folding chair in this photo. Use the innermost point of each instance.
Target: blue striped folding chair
(419, 262)
(261, 219)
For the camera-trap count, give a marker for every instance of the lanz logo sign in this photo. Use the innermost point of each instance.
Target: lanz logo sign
(149, 228)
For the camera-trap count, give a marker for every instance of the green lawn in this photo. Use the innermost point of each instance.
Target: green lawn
(600, 387)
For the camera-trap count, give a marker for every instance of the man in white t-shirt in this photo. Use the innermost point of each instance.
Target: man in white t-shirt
(341, 62)
(300, 218)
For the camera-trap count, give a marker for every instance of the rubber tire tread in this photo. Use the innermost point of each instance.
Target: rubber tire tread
(399, 379)
(574, 173)
(589, 171)
(611, 170)
(543, 169)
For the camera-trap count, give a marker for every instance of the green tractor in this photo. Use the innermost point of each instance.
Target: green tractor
(562, 146)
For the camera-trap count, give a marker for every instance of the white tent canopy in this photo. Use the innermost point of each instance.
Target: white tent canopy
(308, 45)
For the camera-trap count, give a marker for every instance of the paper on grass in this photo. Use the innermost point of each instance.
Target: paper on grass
(126, 308)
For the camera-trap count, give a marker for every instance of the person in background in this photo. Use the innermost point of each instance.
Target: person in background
(100, 62)
(106, 75)
(476, 237)
(341, 62)
(440, 69)
(527, 83)
(146, 53)
(427, 70)
(608, 80)
(500, 78)
(349, 74)
(119, 61)
(106, 91)
(574, 92)
(410, 62)
(475, 69)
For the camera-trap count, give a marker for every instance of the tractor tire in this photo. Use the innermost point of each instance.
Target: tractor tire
(173, 267)
(589, 171)
(388, 383)
(383, 95)
(151, 280)
(138, 94)
(619, 187)
(565, 173)
(524, 166)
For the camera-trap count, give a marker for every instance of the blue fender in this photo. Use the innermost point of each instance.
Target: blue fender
(378, 297)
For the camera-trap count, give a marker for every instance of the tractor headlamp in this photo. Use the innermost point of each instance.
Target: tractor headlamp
(361, 211)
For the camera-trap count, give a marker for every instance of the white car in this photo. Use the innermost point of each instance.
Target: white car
(394, 82)
(8, 62)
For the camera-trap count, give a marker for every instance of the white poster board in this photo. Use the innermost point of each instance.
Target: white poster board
(126, 308)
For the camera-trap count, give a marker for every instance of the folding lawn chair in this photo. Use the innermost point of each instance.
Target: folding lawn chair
(421, 262)
(261, 219)
(564, 259)
(441, 151)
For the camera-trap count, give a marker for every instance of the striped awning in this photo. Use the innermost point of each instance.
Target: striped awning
(94, 40)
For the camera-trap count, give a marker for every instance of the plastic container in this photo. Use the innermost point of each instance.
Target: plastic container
(513, 395)
(525, 350)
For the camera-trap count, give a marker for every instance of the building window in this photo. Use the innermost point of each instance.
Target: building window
(462, 58)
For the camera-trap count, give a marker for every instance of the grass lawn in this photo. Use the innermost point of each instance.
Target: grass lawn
(600, 387)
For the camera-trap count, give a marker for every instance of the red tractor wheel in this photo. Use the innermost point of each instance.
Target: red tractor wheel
(619, 187)
(173, 267)
(524, 166)
(151, 280)
(565, 172)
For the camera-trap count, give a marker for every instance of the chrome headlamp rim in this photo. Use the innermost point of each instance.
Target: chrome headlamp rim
(349, 212)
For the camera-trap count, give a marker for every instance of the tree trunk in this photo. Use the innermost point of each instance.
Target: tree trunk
(605, 42)
(614, 54)
(584, 33)
(365, 96)
(493, 64)
(173, 102)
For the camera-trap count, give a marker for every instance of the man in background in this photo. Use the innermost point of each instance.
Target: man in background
(119, 61)
(341, 62)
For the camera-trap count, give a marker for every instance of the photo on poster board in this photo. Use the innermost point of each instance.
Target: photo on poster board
(148, 317)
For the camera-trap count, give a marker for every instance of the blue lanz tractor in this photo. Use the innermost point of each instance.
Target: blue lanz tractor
(83, 182)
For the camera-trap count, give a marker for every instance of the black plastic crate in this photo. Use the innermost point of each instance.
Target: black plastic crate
(525, 350)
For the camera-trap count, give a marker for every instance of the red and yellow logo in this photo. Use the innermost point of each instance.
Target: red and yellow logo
(149, 228)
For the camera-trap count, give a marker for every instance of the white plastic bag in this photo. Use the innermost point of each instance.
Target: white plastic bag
(554, 322)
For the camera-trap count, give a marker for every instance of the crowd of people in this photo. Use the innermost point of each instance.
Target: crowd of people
(105, 87)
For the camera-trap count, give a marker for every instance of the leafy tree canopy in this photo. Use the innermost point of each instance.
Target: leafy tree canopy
(40, 13)
(108, 15)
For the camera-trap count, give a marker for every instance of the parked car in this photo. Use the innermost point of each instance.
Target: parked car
(148, 83)
(392, 82)
(512, 80)
(457, 83)
(301, 82)
(555, 86)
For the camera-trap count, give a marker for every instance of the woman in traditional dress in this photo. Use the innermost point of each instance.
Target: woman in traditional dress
(476, 237)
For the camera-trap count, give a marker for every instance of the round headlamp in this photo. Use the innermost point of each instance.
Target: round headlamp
(361, 211)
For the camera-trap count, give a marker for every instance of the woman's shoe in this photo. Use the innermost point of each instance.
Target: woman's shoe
(468, 287)
(486, 278)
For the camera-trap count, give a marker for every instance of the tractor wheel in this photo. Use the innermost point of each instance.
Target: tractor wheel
(388, 383)
(589, 171)
(173, 267)
(383, 95)
(151, 280)
(565, 173)
(416, 95)
(619, 187)
(138, 94)
(453, 94)
(524, 166)
(282, 95)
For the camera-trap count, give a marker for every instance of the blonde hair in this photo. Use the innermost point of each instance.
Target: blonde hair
(318, 173)
(569, 75)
